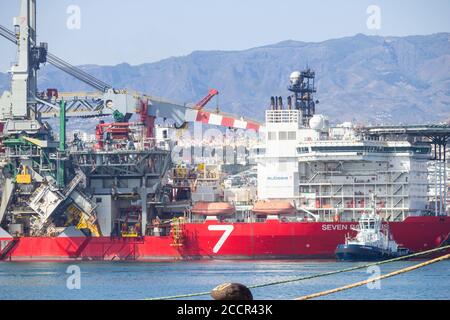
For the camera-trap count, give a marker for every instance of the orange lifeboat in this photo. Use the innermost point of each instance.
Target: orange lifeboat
(273, 207)
(213, 208)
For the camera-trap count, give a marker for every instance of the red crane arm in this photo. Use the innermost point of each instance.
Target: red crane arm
(199, 105)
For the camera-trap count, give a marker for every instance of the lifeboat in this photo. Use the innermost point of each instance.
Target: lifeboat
(213, 208)
(273, 207)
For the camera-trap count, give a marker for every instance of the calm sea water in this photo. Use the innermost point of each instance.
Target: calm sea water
(139, 280)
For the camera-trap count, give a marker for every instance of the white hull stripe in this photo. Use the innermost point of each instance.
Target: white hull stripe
(215, 119)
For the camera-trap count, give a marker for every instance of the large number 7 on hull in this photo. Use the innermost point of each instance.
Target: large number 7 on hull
(227, 229)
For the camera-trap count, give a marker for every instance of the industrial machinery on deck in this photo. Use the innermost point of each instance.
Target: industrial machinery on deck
(48, 187)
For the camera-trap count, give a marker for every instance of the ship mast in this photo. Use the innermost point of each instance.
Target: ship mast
(302, 85)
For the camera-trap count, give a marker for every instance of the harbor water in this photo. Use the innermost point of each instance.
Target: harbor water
(139, 280)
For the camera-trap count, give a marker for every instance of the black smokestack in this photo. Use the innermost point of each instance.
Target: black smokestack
(280, 103)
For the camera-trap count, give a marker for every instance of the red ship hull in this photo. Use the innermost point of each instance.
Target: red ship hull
(215, 240)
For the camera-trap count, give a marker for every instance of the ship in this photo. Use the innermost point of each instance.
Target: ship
(121, 196)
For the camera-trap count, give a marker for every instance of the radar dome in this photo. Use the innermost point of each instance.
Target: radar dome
(318, 122)
(295, 77)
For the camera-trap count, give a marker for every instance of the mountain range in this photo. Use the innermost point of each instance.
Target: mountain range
(365, 79)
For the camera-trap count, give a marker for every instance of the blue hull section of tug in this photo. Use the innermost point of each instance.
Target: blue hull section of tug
(355, 252)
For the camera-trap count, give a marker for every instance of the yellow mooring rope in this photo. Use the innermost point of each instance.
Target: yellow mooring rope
(413, 255)
(361, 283)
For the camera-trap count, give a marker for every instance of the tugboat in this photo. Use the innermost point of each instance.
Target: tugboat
(371, 242)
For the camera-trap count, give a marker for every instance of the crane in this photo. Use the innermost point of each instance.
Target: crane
(121, 104)
(63, 65)
(202, 103)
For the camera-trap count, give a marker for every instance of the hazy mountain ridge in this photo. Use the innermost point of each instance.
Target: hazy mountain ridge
(362, 78)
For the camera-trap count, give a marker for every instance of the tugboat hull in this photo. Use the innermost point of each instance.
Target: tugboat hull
(356, 252)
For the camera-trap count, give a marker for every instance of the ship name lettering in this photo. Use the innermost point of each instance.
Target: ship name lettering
(334, 227)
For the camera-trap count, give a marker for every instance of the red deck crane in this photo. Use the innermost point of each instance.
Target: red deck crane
(202, 103)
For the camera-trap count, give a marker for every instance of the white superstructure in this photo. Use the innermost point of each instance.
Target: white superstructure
(332, 171)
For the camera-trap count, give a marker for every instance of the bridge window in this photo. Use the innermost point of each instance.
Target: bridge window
(292, 135)
(271, 135)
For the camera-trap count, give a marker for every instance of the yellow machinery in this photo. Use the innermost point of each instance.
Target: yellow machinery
(130, 234)
(131, 231)
(208, 172)
(84, 222)
(177, 232)
(23, 177)
(180, 172)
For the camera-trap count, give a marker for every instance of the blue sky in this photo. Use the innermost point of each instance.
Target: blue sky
(138, 31)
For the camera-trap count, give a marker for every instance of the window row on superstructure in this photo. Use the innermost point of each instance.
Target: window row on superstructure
(373, 149)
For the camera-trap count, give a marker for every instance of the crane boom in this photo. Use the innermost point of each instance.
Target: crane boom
(63, 65)
(109, 101)
(202, 103)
